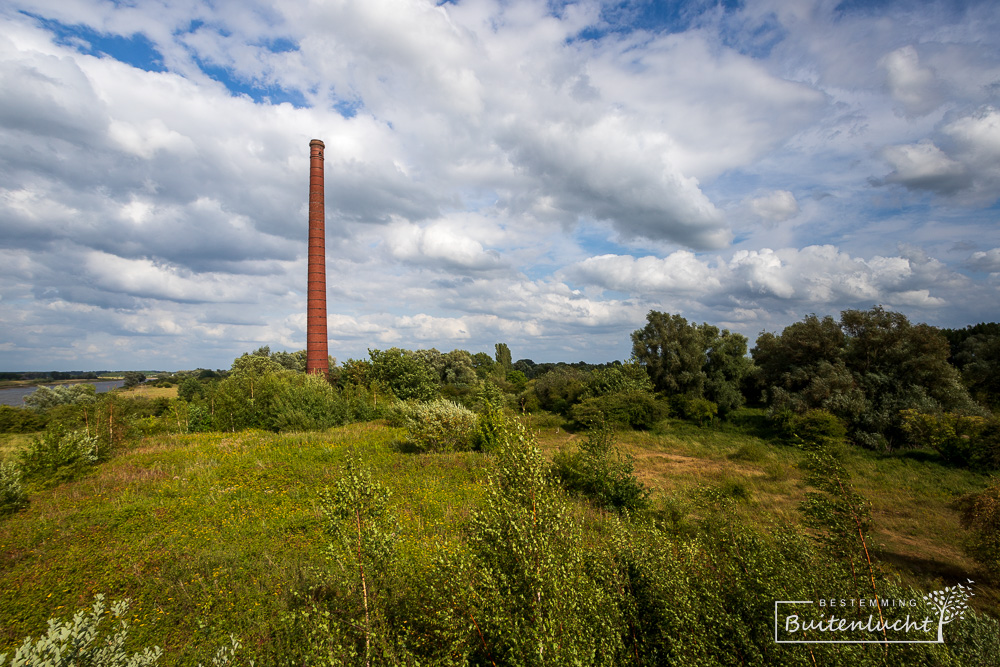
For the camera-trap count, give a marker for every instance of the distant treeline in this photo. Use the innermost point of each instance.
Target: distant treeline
(890, 383)
(52, 375)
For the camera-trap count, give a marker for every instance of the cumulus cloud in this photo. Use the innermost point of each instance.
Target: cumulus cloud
(970, 168)
(987, 261)
(924, 166)
(776, 206)
(820, 275)
(437, 244)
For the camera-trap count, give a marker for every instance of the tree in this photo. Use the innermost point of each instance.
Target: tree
(133, 379)
(403, 372)
(975, 351)
(673, 352)
(503, 359)
(699, 361)
(866, 369)
(189, 388)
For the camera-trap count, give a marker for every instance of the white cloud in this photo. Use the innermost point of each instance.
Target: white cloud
(986, 261)
(911, 85)
(924, 166)
(439, 244)
(822, 276)
(776, 206)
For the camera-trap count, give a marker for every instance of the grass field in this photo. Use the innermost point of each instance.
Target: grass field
(209, 534)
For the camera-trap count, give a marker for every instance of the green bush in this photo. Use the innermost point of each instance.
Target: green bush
(405, 373)
(537, 600)
(967, 440)
(83, 641)
(20, 420)
(58, 454)
(12, 495)
(493, 422)
(981, 517)
(560, 388)
(635, 408)
(694, 409)
(814, 428)
(601, 472)
(439, 426)
(305, 403)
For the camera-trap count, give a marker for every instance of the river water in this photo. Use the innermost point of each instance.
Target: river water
(15, 395)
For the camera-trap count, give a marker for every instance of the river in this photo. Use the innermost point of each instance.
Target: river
(15, 395)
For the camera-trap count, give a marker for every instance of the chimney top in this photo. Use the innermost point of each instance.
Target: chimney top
(317, 142)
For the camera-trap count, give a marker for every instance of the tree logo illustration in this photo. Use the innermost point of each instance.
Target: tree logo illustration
(950, 603)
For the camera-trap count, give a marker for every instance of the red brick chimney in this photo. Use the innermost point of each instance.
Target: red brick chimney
(317, 357)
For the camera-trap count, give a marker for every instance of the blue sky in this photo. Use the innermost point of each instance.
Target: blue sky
(537, 173)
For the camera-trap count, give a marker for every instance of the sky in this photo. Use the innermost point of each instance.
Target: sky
(538, 173)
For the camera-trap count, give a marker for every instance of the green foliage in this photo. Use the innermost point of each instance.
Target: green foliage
(698, 361)
(189, 389)
(58, 454)
(560, 388)
(46, 398)
(403, 372)
(673, 352)
(361, 553)
(975, 351)
(813, 428)
(865, 369)
(133, 379)
(968, 440)
(841, 516)
(438, 426)
(84, 641)
(634, 408)
(504, 363)
(304, 402)
(601, 472)
(12, 494)
(493, 423)
(19, 420)
(700, 410)
(981, 517)
(537, 602)
(517, 380)
(617, 379)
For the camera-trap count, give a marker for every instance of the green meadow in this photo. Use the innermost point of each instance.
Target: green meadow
(212, 534)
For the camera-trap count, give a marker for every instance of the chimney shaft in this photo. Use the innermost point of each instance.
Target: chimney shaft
(317, 356)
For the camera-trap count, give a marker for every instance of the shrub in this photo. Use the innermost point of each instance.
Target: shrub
(560, 388)
(814, 428)
(967, 440)
(12, 495)
(58, 452)
(405, 373)
(82, 641)
(601, 472)
(693, 409)
(636, 408)
(305, 403)
(492, 422)
(19, 420)
(440, 426)
(981, 516)
(538, 603)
